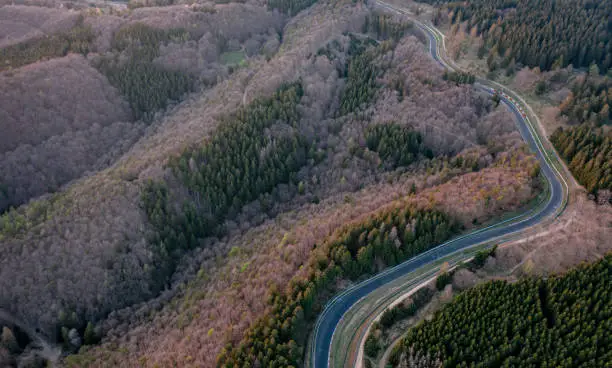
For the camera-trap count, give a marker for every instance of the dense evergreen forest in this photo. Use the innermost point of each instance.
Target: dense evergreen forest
(587, 145)
(279, 338)
(561, 321)
(381, 333)
(396, 145)
(588, 153)
(384, 27)
(146, 86)
(291, 7)
(142, 41)
(536, 33)
(459, 77)
(363, 68)
(361, 79)
(77, 40)
(238, 164)
(589, 102)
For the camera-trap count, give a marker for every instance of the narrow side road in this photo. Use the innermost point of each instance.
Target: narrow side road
(379, 287)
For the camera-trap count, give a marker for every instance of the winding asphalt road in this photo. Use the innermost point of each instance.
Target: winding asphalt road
(336, 308)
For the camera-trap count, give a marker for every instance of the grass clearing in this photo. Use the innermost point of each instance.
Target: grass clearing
(232, 57)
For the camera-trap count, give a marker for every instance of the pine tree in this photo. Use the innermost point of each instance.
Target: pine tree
(9, 341)
(89, 336)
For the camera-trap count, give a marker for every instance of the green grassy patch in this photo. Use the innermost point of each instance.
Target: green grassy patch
(232, 57)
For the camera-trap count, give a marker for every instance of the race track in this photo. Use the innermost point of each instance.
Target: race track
(336, 308)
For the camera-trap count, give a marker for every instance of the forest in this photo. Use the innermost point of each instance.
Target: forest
(237, 165)
(396, 145)
(561, 321)
(381, 334)
(588, 153)
(146, 86)
(361, 79)
(242, 161)
(79, 87)
(545, 34)
(362, 71)
(589, 101)
(586, 145)
(278, 339)
(77, 40)
(459, 77)
(214, 211)
(291, 7)
(403, 310)
(385, 27)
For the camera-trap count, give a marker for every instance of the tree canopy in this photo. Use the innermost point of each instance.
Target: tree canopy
(589, 102)
(562, 321)
(291, 7)
(279, 338)
(539, 33)
(588, 152)
(77, 40)
(397, 145)
(146, 86)
(238, 164)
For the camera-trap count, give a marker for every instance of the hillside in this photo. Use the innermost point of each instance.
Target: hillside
(579, 237)
(50, 139)
(575, 110)
(23, 23)
(541, 50)
(326, 182)
(64, 115)
(544, 34)
(524, 323)
(177, 170)
(99, 220)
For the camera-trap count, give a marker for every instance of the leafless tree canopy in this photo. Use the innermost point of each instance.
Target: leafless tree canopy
(22, 23)
(59, 119)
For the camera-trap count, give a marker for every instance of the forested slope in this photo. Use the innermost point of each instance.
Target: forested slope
(589, 101)
(100, 220)
(588, 152)
(560, 321)
(187, 229)
(238, 165)
(48, 138)
(270, 239)
(23, 23)
(586, 145)
(61, 116)
(536, 33)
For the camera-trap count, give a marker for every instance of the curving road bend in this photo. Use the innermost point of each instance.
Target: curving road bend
(320, 347)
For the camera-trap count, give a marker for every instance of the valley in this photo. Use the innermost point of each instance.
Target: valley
(191, 183)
